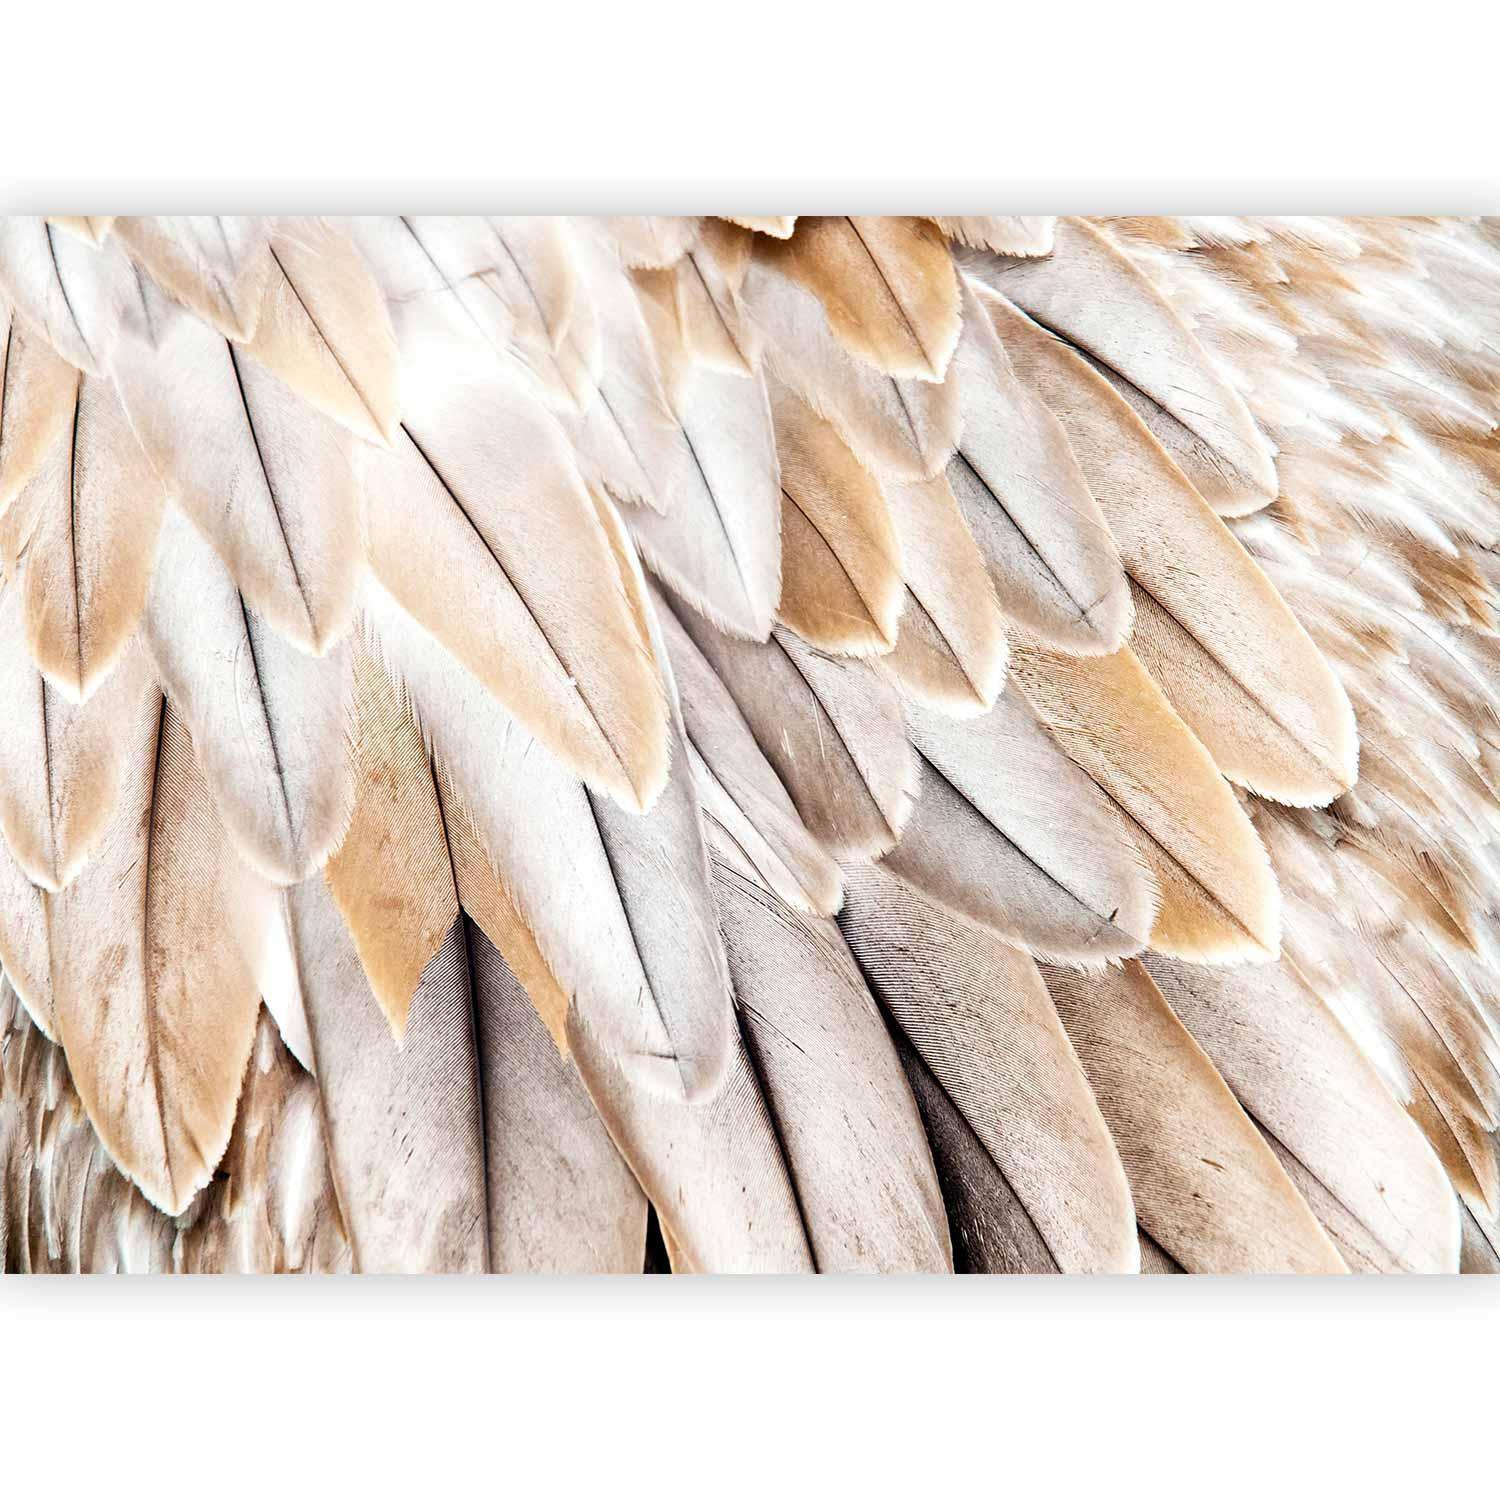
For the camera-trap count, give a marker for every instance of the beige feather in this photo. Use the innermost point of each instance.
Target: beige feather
(37, 398)
(1355, 1155)
(887, 286)
(644, 241)
(778, 226)
(24, 956)
(1052, 556)
(165, 921)
(392, 875)
(1088, 292)
(66, 291)
(904, 428)
(700, 293)
(1031, 1174)
(1211, 627)
(830, 728)
(1008, 832)
(94, 229)
(1004, 234)
(217, 265)
(1207, 1188)
(1219, 900)
(841, 586)
(324, 329)
(62, 765)
(738, 788)
(270, 724)
(951, 650)
(95, 508)
(481, 492)
(270, 482)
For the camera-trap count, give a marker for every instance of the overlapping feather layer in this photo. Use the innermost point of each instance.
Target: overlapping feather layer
(829, 740)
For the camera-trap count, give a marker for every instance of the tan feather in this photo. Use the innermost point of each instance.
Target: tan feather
(217, 265)
(841, 584)
(324, 329)
(392, 875)
(1090, 294)
(1219, 900)
(164, 921)
(95, 508)
(887, 286)
(951, 651)
(701, 293)
(1207, 1188)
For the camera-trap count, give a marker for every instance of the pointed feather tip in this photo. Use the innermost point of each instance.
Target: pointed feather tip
(682, 1079)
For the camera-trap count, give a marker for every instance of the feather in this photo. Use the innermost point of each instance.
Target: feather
(830, 728)
(841, 584)
(65, 290)
(218, 266)
(1008, 832)
(901, 428)
(887, 286)
(62, 765)
(699, 292)
(1206, 1187)
(1087, 292)
(404, 1132)
(713, 1170)
(1211, 627)
(93, 229)
(271, 483)
(1357, 1158)
(951, 651)
(392, 875)
(165, 921)
(92, 514)
(643, 241)
(324, 329)
(1051, 554)
(269, 723)
(719, 545)
(618, 902)
(1219, 899)
(738, 788)
(845, 1118)
(561, 1199)
(778, 226)
(24, 957)
(1031, 1174)
(531, 601)
(1004, 234)
(38, 395)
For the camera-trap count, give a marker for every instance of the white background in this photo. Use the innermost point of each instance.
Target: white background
(728, 1388)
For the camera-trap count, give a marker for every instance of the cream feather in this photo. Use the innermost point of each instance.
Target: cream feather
(218, 266)
(69, 293)
(37, 399)
(1004, 234)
